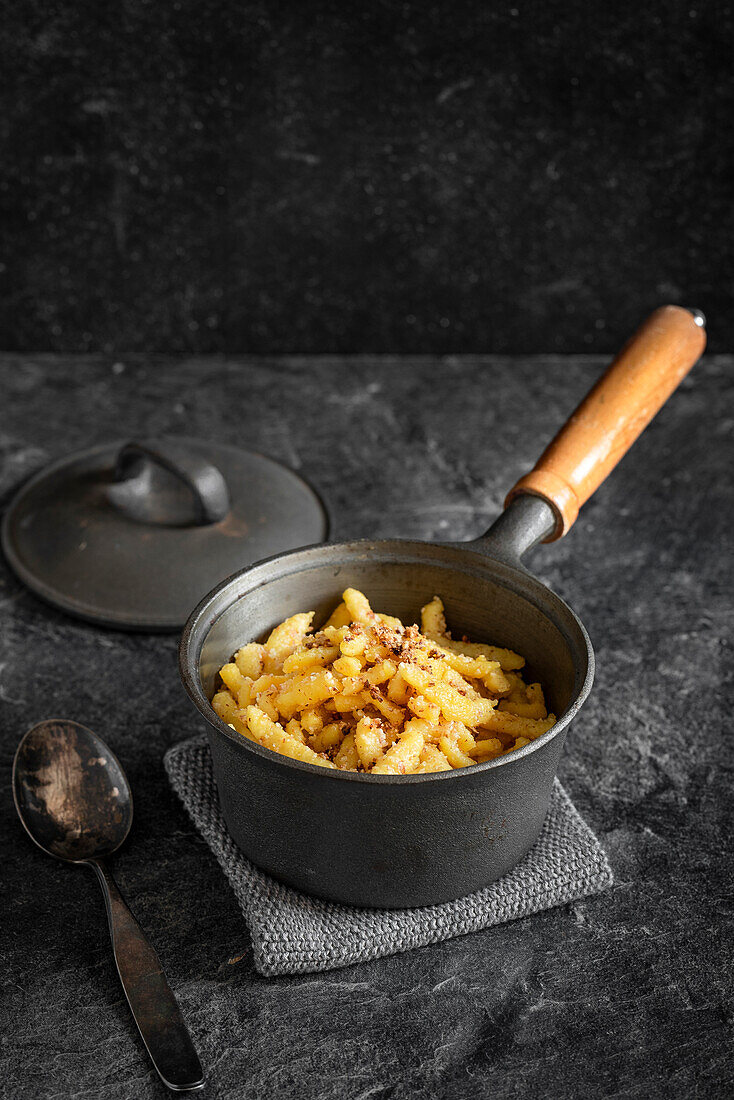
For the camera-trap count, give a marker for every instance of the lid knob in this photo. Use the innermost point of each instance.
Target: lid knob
(162, 481)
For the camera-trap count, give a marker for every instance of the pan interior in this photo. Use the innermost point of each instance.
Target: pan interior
(486, 600)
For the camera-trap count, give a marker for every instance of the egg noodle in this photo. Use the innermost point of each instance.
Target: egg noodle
(366, 693)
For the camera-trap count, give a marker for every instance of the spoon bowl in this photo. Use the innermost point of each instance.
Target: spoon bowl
(70, 791)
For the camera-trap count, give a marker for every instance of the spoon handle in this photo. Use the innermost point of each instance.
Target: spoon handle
(149, 995)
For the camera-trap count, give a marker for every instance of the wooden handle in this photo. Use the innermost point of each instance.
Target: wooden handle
(616, 411)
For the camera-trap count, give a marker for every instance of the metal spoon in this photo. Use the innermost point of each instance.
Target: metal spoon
(74, 801)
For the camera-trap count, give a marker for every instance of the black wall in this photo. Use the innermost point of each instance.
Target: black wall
(213, 175)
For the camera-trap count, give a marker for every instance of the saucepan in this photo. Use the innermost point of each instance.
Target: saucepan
(410, 840)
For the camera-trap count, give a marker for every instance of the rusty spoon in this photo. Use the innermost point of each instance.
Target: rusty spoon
(74, 801)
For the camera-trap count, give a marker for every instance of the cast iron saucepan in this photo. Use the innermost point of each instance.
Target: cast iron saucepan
(422, 839)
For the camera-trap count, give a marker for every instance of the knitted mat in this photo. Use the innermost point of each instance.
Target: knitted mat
(293, 933)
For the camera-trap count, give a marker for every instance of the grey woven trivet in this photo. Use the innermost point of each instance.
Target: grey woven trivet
(293, 933)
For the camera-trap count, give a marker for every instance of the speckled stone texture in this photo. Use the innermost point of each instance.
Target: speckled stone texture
(314, 175)
(623, 995)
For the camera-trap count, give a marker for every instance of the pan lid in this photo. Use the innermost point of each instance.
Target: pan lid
(134, 534)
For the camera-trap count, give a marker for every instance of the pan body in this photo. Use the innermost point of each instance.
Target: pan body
(388, 841)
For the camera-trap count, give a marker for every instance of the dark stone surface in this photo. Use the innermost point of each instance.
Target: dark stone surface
(213, 176)
(624, 995)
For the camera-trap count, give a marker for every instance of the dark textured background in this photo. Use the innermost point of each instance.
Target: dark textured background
(627, 995)
(212, 175)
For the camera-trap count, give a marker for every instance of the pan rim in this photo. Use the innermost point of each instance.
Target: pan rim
(194, 689)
